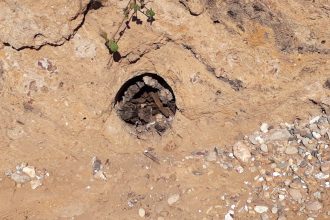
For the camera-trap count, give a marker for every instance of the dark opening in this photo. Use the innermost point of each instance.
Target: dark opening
(147, 102)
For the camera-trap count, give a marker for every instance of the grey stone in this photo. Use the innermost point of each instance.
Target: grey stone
(212, 156)
(278, 135)
(296, 195)
(264, 216)
(325, 167)
(20, 178)
(314, 206)
(291, 150)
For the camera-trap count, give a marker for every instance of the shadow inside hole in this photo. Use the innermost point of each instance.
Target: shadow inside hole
(147, 102)
(116, 56)
(96, 4)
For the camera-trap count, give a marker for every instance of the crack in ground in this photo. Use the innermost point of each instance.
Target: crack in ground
(63, 40)
(235, 84)
(133, 57)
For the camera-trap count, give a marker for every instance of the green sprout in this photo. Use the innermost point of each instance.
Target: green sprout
(135, 7)
(112, 46)
(150, 13)
(130, 14)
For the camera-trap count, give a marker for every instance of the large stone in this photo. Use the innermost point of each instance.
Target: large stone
(242, 152)
(296, 195)
(27, 24)
(278, 135)
(314, 206)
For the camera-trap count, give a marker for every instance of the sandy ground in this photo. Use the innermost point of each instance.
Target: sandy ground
(232, 66)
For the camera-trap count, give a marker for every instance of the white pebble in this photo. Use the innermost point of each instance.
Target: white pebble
(264, 127)
(35, 183)
(275, 174)
(142, 212)
(260, 209)
(30, 171)
(173, 199)
(281, 197)
(316, 135)
(315, 119)
(264, 148)
(242, 152)
(274, 210)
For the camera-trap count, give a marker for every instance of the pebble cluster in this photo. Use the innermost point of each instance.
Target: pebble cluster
(291, 164)
(25, 173)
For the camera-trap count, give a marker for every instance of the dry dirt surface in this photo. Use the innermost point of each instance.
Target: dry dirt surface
(232, 123)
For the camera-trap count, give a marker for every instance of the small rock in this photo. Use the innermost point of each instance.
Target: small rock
(314, 120)
(278, 135)
(100, 175)
(325, 167)
(46, 65)
(133, 57)
(212, 156)
(281, 197)
(296, 195)
(35, 183)
(229, 215)
(173, 199)
(264, 216)
(305, 142)
(291, 150)
(274, 210)
(30, 171)
(242, 152)
(313, 206)
(142, 212)
(96, 165)
(260, 209)
(321, 176)
(264, 127)
(264, 148)
(317, 195)
(316, 135)
(239, 169)
(282, 217)
(276, 174)
(20, 178)
(253, 140)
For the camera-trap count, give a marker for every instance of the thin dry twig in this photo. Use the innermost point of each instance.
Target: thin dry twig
(151, 156)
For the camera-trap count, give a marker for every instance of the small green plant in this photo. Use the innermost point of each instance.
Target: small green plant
(131, 11)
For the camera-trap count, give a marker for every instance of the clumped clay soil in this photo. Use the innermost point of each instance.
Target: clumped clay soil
(217, 109)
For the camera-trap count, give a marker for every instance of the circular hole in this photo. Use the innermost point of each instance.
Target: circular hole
(146, 102)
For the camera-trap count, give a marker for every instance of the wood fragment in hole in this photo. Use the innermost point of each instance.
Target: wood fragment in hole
(159, 104)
